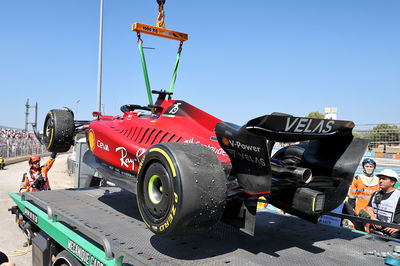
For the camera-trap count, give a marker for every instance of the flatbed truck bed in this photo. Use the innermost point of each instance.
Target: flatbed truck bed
(105, 223)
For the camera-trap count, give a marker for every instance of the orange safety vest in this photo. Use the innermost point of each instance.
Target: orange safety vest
(361, 190)
(29, 178)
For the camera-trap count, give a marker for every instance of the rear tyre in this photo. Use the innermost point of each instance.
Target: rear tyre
(58, 131)
(181, 189)
(64, 258)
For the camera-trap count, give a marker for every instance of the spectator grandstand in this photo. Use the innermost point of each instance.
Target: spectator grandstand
(14, 143)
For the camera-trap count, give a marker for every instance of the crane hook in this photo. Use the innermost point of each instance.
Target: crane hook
(161, 3)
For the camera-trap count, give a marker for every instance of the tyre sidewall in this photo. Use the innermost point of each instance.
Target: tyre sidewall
(199, 194)
(166, 224)
(60, 124)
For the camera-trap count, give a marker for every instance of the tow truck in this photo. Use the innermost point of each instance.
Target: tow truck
(103, 225)
(99, 226)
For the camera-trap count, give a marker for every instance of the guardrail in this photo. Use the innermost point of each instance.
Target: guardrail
(19, 159)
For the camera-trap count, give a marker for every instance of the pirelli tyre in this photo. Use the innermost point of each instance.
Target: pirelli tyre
(181, 189)
(64, 258)
(58, 131)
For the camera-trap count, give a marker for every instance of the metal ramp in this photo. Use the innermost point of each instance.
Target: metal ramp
(111, 213)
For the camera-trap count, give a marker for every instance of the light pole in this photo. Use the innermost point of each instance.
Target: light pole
(100, 58)
(76, 107)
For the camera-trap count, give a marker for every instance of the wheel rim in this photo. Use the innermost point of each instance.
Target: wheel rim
(49, 131)
(155, 189)
(157, 196)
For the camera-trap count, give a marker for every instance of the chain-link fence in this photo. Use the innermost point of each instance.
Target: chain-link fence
(383, 138)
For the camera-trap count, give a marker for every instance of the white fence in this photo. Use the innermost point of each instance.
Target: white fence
(14, 147)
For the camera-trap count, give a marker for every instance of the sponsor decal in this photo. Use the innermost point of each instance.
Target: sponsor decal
(214, 138)
(175, 108)
(31, 215)
(231, 152)
(141, 164)
(247, 157)
(102, 146)
(171, 215)
(237, 144)
(214, 149)
(251, 158)
(169, 220)
(225, 141)
(129, 161)
(83, 255)
(303, 125)
(91, 138)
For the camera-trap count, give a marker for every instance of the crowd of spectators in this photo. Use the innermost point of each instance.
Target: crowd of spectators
(14, 142)
(6, 133)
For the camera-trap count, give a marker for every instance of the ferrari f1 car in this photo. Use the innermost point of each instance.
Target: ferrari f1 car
(190, 170)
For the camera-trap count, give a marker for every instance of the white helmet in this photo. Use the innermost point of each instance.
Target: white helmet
(389, 173)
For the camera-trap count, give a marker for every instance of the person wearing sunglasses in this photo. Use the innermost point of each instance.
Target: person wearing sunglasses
(384, 205)
(37, 177)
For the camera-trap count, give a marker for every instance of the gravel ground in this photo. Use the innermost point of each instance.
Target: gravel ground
(11, 237)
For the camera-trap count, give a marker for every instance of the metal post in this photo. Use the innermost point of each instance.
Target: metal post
(36, 114)
(8, 148)
(100, 58)
(26, 114)
(76, 109)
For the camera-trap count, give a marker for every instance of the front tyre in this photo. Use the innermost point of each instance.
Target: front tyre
(181, 189)
(58, 131)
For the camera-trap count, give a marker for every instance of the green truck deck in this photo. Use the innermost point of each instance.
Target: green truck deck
(102, 226)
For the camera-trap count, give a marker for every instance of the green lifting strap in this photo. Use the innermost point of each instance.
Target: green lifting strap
(178, 57)
(146, 75)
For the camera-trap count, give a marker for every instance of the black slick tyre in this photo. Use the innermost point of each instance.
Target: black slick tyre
(64, 258)
(181, 189)
(58, 131)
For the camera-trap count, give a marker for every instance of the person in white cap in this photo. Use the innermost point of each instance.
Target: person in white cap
(384, 204)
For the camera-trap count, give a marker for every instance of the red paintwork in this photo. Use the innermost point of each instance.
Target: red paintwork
(121, 141)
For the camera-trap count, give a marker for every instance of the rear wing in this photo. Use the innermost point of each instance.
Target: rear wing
(286, 128)
(326, 158)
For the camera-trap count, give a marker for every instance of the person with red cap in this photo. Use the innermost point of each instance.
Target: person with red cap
(37, 177)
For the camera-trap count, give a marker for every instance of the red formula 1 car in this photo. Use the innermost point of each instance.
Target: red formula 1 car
(190, 170)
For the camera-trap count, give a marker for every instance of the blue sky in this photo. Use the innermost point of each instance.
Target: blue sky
(243, 59)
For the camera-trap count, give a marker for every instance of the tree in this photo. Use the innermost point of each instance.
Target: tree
(385, 134)
(316, 114)
(357, 134)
